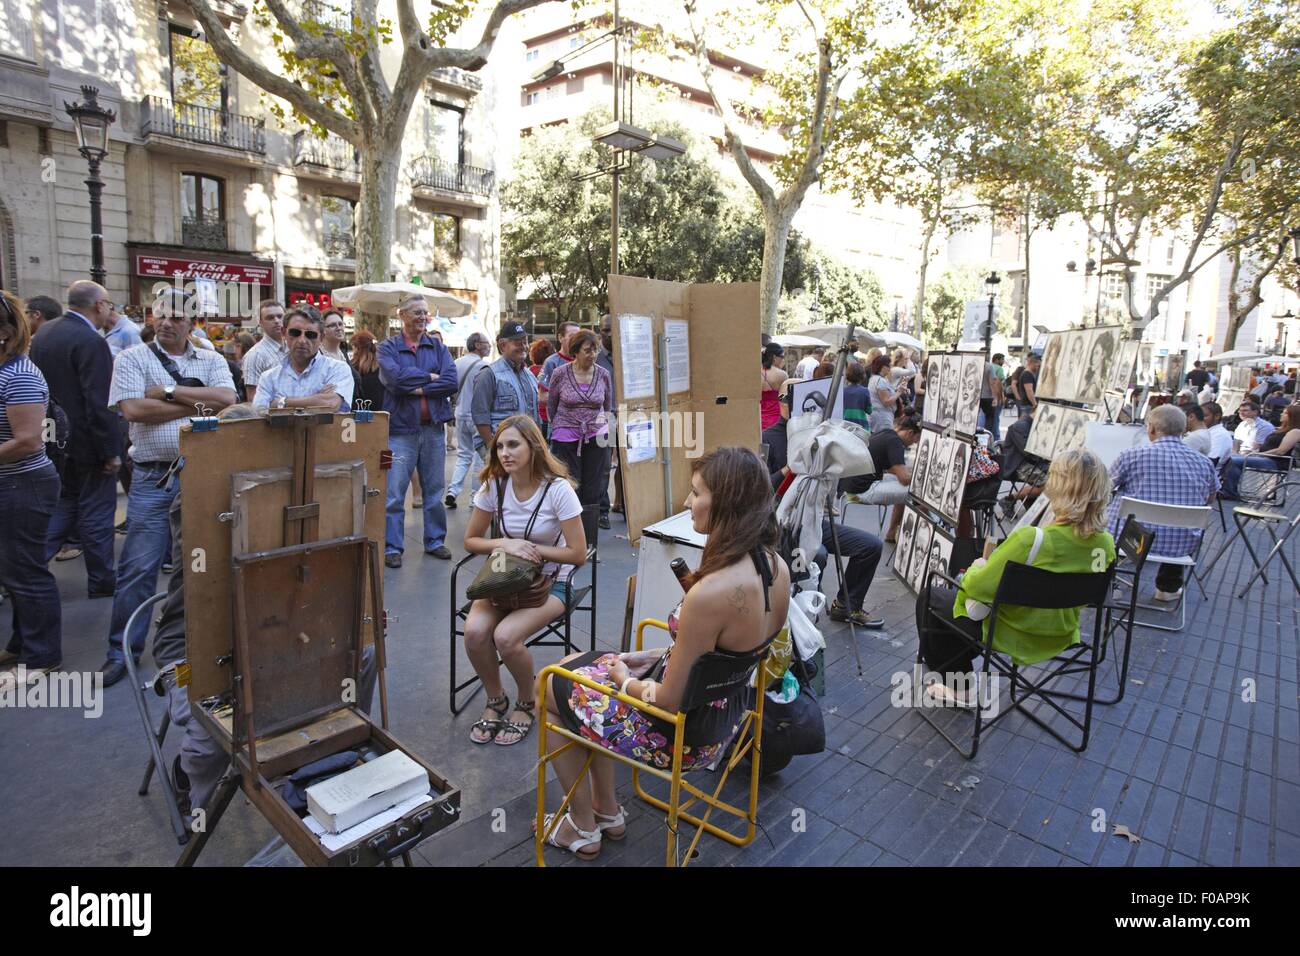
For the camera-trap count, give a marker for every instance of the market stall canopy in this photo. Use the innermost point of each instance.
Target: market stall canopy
(386, 296)
(1237, 355)
(834, 336)
(800, 342)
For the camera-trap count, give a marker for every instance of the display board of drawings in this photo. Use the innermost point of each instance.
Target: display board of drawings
(1081, 364)
(1234, 385)
(952, 388)
(1059, 428)
(922, 546)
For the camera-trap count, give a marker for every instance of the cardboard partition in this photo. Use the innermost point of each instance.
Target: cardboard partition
(213, 459)
(719, 408)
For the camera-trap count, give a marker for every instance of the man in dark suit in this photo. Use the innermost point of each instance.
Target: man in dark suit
(78, 365)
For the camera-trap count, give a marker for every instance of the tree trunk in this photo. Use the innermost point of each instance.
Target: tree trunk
(776, 232)
(1022, 327)
(931, 224)
(375, 225)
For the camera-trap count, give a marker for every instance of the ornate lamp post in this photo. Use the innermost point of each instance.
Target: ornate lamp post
(92, 122)
(991, 287)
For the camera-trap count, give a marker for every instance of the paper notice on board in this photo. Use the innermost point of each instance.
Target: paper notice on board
(636, 346)
(677, 332)
(639, 440)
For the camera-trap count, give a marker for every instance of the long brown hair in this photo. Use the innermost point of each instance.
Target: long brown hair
(14, 312)
(541, 463)
(742, 514)
(1291, 417)
(364, 358)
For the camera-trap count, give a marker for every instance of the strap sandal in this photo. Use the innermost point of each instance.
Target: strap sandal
(614, 827)
(521, 729)
(587, 840)
(485, 731)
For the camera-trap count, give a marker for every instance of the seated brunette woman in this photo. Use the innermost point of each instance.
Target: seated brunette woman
(1078, 488)
(538, 518)
(1279, 446)
(736, 602)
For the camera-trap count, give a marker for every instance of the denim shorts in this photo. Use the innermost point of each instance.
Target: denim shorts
(561, 590)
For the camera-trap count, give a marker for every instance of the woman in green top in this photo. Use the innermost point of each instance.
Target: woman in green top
(1079, 489)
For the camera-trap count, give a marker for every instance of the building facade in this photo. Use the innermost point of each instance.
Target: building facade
(204, 184)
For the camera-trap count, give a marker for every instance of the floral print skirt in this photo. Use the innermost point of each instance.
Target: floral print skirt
(607, 721)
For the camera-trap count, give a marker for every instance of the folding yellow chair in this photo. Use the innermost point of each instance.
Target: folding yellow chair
(713, 676)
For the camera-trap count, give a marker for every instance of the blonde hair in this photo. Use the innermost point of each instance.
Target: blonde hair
(1078, 486)
(15, 315)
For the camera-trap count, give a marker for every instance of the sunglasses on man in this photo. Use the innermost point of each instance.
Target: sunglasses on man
(310, 333)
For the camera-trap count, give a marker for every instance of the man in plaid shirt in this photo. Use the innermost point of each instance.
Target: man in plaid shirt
(1169, 473)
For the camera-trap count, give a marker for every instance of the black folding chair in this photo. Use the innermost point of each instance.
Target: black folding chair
(557, 633)
(1025, 586)
(155, 685)
(1131, 547)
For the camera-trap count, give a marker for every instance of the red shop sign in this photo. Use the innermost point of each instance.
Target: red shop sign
(200, 269)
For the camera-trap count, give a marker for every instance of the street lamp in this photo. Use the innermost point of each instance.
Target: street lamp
(92, 122)
(1295, 244)
(1286, 318)
(991, 287)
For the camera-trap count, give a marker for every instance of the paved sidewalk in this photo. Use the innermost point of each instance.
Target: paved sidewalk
(1201, 774)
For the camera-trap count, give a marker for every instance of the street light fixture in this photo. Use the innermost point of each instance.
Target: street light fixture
(1295, 244)
(991, 287)
(92, 122)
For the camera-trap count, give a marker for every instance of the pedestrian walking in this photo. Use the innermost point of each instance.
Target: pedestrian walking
(468, 368)
(580, 401)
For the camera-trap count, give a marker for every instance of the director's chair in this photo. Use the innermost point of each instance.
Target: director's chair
(1030, 587)
(712, 676)
(557, 633)
(1191, 517)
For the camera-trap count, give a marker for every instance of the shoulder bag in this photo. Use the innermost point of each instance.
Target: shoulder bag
(509, 581)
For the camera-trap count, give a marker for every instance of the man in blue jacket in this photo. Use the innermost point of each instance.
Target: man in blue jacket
(419, 379)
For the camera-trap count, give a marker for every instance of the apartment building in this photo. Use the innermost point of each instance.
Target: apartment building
(881, 237)
(203, 183)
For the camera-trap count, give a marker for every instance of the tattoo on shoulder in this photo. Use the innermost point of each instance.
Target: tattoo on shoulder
(737, 600)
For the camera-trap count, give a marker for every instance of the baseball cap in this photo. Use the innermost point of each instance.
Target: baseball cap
(512, 330)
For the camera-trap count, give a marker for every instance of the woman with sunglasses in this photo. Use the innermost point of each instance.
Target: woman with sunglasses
(29, 492)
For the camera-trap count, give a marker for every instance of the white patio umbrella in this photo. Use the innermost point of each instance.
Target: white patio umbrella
(800, 342)
(892, 340)
(386, 296)
(1237, 355)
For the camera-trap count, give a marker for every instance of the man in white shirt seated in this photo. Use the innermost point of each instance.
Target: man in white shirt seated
(306, 378)
(1250, 434)
(1220, 437)
(1198, 437)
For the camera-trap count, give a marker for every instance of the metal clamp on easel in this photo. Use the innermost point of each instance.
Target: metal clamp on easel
(363, 411)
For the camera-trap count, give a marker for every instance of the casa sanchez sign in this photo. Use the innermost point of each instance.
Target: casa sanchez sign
(201, 269)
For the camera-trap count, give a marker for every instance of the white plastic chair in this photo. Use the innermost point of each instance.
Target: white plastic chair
(1154, 514)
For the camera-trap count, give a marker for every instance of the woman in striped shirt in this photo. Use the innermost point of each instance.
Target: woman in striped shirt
(29, 492)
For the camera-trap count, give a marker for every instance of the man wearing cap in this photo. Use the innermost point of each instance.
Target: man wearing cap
(419, 379)
(510, 389)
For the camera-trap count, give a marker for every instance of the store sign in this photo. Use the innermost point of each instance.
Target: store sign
(199, 269)
(320, 300)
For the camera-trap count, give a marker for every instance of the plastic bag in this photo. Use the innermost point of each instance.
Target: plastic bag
(802, 618)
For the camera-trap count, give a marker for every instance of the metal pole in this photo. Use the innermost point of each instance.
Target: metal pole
(850, 345)
(988, 332)
(96, 186)
(662, 354)
(618, 154)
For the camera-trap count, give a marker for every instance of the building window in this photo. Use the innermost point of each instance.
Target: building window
(203, 202)
(446, 235)
(1112, 286)
(531, 99)
(1169, 253)
(532, 55)
(444, 132)
(197, 76)
(573, 43)
(338, 215)
(554, 92)
(1154, 284)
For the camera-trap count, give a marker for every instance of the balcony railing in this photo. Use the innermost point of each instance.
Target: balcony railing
(453, 177)
(457, 77)
(202, 124)
(328, 15)
(204, 233)
(332, 152)
(340, 245)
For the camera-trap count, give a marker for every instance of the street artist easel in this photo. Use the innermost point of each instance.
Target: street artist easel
(301, 544)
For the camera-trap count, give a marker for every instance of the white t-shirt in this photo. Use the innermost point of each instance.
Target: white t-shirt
(1220, 442)
(560, 505)
(1200, 440)
(807, 365)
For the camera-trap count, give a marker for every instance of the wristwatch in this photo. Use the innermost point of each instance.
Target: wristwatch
(169, 393)
(280, 402)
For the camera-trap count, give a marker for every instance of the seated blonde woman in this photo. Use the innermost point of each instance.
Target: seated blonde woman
(1078, 488)
(736, 603)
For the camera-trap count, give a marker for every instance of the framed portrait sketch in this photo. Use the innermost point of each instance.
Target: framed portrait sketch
(1074, 356)
(938, 556)
(920, 549)
(955, 487)
(921, 463)
(1229, 399)
(1073, 430)
(1048, 374)
(1042, 433)
(1102, 346)
(933, 388)
(809, 398)
(947, 410)
(936, 478)
(903, 550)
(968, 398)
(1121, 370)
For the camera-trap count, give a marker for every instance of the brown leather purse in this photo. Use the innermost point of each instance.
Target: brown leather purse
(521, 583)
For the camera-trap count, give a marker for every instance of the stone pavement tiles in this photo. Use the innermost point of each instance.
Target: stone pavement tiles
(1188, 761)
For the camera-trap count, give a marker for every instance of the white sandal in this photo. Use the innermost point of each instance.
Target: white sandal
(585, 841)
(605, 822)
